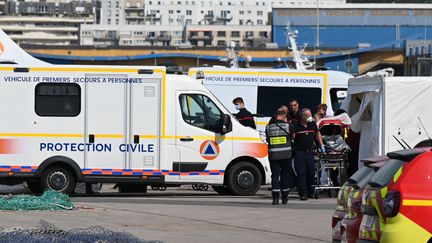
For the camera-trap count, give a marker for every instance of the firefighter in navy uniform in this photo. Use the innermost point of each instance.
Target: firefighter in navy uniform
(279, 153)
(243, 116)
(305, 133)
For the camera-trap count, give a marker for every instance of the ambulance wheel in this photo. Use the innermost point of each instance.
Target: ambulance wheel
(58, 178)
(222, 190)
(35, 187)
(244, 179)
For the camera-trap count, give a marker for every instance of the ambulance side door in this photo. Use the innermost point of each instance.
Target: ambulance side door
(202, 151)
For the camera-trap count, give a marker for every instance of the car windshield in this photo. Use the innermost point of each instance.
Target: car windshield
(383, 176)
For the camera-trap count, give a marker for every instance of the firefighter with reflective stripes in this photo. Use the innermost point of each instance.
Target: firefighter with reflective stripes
(279, 153)
(305, 133)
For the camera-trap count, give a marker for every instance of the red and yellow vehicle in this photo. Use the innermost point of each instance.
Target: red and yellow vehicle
(374, 220)
(408, 204)
(350, 185)
(351, 222)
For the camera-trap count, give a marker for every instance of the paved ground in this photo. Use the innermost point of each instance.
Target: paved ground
(183, 215)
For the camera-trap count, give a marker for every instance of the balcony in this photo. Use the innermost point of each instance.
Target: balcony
(201, 37)
(134, 9)
(209, 17)
(158, 38)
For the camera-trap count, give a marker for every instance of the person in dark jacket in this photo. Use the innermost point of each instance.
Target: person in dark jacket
(294, 112)
(305, 134)
(243, 116)
(279, 153)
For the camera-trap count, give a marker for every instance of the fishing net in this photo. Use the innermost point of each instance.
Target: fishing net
(45, 232)
(50, 200)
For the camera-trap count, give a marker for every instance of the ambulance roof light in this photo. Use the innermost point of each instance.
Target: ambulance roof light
(145, 71)
(21, 70)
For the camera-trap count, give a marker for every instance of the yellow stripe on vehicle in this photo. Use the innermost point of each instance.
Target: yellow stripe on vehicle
(83, 69)
(397, 174)
(122, 136)
(415, 202)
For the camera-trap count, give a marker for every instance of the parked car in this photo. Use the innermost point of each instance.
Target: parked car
(374, 219)
(408, 204)
(350, 184)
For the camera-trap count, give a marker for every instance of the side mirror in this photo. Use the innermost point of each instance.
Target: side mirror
(224, 125)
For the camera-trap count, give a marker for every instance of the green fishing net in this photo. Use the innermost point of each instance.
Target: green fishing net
(50, 200)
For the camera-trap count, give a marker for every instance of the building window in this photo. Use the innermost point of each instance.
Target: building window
(260, 13)
(221, 33)
(170, 11)
(221, 43)
(263, 34)
(259, 22)
(178, 11)
(57, 99)
(188, 12)
(241, 21)
(241, 12)
(235, 33)
(249, 34)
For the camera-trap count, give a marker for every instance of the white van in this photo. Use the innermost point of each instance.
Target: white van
(121, 124)
(264, 90)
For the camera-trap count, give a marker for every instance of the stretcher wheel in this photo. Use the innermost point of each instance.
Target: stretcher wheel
(196, 187)
(162, 188)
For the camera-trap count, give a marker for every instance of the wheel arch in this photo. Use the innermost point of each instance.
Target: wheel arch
(63, 161)
(247, 159)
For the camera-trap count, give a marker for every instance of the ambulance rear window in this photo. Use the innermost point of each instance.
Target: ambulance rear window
(271, 98)
(385, 174)
(57, 99)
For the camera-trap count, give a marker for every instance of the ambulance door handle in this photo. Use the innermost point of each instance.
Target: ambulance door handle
(91, 138)
(136, 138)
(186, 139)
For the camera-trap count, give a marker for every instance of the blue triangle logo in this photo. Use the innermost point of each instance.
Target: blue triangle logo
(209, 150)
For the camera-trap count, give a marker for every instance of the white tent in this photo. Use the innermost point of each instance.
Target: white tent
(388, 111)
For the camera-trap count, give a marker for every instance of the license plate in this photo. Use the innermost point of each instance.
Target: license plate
(369, 221)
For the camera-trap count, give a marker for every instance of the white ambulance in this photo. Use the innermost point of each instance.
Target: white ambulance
(119, 124)
(265, 90)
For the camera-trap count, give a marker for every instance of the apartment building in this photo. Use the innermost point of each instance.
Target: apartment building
(223, 35)
(131, 35)
(49, 22)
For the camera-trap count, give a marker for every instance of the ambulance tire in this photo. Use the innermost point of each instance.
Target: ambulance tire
(58, 178)
(244, 179)
(222, 190)
(35, 187)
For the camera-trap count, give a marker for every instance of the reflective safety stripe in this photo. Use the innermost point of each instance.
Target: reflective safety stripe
(278, 140)
(280, 149)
